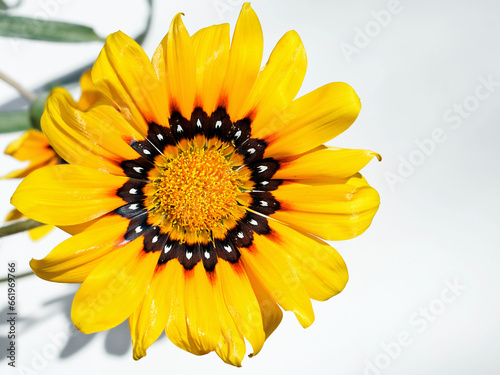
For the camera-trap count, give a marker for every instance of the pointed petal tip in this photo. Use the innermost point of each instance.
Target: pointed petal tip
(305, 321)
(33, 265)
(177, 22)
(36, 266)
(82, 322)
(139, 353)
(246, 6)
(247, 10)
(377, 155)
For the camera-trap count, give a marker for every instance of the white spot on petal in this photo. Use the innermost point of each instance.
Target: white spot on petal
(159, 136)
(218, 124)
(179, 129)
(207, 255)
(167, 248)
(237, 134)
(133, 191)
(198, 123)
(138, 169)
(240, 235)
(251, 150)
(228, 248)
(155, 238)
(262, 168)
(133, 206)
(146, 152)
(264, 183)
(189, 254)
(264, 203)
(138, 229)
(253, 222)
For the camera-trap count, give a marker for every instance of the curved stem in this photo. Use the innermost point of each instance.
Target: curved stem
(27, 94)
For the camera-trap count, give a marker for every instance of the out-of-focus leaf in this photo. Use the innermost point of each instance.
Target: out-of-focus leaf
(14, 121)
(36, 110)
(5, 6)
(140, 38)
(54, 31)
(74, 76)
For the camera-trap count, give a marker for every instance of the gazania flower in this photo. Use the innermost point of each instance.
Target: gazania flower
(33, 146)
(200, 189)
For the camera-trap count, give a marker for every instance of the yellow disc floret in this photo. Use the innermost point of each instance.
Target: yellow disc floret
(196, 189)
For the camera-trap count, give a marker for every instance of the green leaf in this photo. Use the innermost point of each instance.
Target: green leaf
(24, 120)
(74, 76)
(36, 110)
(54, 31)
(3, 6)
(14, 121)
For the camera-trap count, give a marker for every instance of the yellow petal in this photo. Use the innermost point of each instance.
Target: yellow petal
(341, 198)
(245, 57)
(125, 75)
(278, 83)
(311, 120)
(40, 232)
(30, 144)
(14, 214)
(34, 165)
(34, 147)
(149, 320)
(199, 320)
(175, 65)
(176, 328)
(78, 228)
(231, 345)
(67, 194)
(95, 138)
(333, 212)
(201, 311)
(72, 260)
(90, 93)
(324, 162)
(112, 291)
(266, 261)
(271, 312)
(211, 48)
(320, 267)
(242, 303)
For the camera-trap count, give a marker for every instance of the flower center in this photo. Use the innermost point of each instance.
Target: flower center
(197, 189)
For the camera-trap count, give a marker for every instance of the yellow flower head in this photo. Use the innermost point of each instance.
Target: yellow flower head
(200, 189)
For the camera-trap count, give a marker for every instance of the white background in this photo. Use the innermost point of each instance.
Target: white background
(437, 221)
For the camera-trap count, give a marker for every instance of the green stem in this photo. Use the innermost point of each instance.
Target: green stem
(20, 226)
